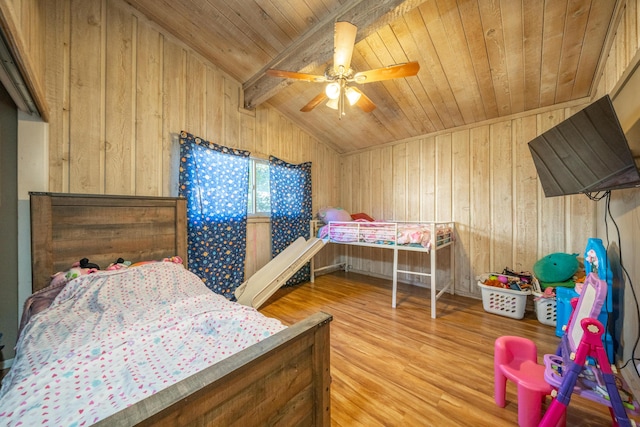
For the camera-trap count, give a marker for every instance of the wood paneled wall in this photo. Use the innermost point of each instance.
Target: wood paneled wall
(483, 178)
(120, 90)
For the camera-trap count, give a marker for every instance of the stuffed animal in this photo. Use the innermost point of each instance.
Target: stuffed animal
(556, 267)
(119, 264)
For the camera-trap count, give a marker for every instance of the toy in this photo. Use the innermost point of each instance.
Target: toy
(118, 264)
(556, 267)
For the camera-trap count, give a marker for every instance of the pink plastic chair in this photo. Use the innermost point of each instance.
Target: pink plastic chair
(516, 359)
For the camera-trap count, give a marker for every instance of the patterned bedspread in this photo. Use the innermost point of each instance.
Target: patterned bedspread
(113, 338)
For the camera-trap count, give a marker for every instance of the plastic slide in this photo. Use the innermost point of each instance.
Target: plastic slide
(266, 281)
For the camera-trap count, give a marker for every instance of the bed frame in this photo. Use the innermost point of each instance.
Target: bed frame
(282, 380)
(442, 236)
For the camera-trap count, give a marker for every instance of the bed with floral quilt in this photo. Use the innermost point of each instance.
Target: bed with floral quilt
(148, 343)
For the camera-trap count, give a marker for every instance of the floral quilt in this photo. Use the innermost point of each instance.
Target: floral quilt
(112, 338)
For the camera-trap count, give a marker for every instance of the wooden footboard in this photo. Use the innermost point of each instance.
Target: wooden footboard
(283, 380)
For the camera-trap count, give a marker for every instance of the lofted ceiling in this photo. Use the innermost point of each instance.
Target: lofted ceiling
(479, 59)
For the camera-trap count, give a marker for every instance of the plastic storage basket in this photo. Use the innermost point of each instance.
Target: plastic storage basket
(505, 302)
(546, 308)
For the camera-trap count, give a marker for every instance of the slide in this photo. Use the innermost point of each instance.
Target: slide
(266, 281)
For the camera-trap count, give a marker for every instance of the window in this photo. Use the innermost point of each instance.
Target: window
(259, 201)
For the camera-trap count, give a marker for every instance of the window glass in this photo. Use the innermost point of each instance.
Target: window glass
(259, 202)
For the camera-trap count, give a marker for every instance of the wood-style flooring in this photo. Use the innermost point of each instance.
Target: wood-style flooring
(399, 367)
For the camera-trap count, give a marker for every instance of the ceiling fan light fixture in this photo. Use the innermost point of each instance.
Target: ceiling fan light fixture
(332, 90)
(333, 103)
(352, 95)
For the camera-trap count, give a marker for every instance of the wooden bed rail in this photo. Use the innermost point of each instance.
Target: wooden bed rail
(283, 380)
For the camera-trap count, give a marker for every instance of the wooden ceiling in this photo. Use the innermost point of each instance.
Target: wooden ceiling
(480, 59)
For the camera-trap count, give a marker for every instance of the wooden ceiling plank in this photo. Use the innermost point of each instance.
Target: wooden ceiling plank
(603, 18)
(378, 123)
(200, 25)
(431, 74)
(389, 114)
(404, 34)
(316, 46)
(258, 26)
(513, 37)
(300, 15)
(407, 101)
(450, 17)
(276, 14)
(573, 47)
(451, 60)
(493, 35)
(475, 37)
(532, 29)
(552, 33)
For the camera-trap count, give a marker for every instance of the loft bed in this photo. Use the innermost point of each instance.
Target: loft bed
(429, 237)
(283, 379)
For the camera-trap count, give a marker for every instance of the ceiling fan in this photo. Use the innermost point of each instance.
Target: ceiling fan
(339, 75)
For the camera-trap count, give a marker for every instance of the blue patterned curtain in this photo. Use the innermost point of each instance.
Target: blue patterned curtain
(290, 208)
(215, 181)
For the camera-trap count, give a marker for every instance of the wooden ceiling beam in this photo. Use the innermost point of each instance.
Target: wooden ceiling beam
(315, 47)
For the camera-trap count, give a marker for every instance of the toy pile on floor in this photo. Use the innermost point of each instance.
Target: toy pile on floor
(509, 279)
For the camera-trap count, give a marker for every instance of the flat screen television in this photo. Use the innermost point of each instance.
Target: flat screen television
(586, 153)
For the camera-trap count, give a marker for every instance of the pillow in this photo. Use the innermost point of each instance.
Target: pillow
(333, 214)
(362, 217)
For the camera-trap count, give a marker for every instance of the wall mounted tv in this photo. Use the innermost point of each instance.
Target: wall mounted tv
(586, 153)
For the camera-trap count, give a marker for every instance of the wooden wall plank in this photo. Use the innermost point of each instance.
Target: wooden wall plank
(196, 111)
(86, 165)
(443, 177)
(57, 57)
(231, 116)
(480, 244)
(173, 113)
(214, 107)
(501, 196)
(551, 209)
(148, 149)
(428, 179)
(461, 209)
(120, 97)
(525, 203)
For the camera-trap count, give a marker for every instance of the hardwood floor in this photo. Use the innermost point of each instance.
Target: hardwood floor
(399, 367)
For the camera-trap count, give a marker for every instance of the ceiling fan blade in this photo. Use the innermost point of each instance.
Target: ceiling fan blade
(387, 73)
(314, 102)
(364, 102)
(293, 75)
(344, 39)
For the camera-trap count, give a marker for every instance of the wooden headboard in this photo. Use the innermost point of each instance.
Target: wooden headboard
(68, 227)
